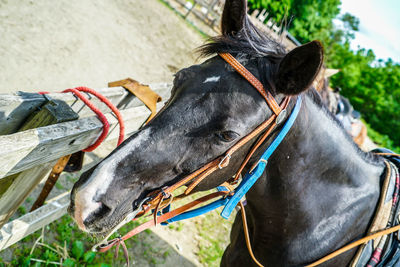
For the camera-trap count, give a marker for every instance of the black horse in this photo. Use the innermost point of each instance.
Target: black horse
(319, 190)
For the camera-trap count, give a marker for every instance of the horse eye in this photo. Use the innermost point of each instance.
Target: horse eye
(227, 136)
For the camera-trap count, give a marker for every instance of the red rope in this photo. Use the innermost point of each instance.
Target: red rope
(106, 126)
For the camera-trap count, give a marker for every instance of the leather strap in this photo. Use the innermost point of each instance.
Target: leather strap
(355, 244)
(50, 182)
(253, 80)
(259, 142)
(143, 92)
(246, 234)
(162, 218)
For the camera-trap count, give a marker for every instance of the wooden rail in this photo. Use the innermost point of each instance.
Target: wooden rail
(14, 109)
(17, 229)
(27, 156)
(23, 150)
(209, 13)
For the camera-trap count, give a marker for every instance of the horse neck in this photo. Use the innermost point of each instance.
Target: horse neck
(319, 190)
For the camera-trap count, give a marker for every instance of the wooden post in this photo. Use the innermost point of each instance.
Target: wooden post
(190, 10)
(17, 229)
(15, 188)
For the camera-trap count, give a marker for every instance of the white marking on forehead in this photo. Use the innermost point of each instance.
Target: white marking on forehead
(212, 79)
(103, 175)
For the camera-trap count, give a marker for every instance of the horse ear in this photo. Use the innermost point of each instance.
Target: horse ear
(299, 67)
(233, 16)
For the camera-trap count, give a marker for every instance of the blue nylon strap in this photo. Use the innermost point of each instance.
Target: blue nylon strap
(247, 182)
(199, 211)
(250, 178)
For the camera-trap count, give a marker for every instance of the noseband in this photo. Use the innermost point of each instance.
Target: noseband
(159, 201)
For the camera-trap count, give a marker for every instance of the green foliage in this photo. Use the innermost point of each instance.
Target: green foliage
(77, 249)
(89, 256)
(279, 9)
(212, 247)
(381, 139)
(22, 210)
(305, 19)
(373, 86)
(69, 263)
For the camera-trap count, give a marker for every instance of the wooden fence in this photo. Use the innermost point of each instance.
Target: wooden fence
(27, 156)
(208, 13)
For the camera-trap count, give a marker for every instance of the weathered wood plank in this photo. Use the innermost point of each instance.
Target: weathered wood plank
(14, 109)
(57, 140)
(25, 225)
(22, 185)
(29, 155)
(54, 111)
(24, 150)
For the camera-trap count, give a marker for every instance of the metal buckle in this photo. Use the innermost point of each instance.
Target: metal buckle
(227, 157)
(281, 116)
(258, 162)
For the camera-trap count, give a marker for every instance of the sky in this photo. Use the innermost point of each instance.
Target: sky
(379, 27)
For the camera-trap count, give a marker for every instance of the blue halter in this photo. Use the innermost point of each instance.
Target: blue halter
(248, 181)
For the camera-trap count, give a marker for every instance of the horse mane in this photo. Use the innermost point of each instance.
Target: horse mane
(249, 40)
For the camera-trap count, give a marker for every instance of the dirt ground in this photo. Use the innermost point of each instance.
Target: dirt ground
(53, 45)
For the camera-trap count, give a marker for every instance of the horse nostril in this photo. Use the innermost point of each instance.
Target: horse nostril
(101, 212)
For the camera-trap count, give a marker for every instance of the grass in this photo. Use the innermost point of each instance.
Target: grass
(214, 238)
(61, 243)
(58, 244)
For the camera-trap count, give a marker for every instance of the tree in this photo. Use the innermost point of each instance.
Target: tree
(307, 19)
(373, 86)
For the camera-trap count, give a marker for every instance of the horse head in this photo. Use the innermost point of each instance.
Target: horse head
(210, 109)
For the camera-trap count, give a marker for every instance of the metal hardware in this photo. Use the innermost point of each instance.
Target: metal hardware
(255, 165)
(281, 116)
(227, 157)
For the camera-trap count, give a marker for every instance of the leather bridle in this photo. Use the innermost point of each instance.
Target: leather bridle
(279, 114)
(159, 199)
